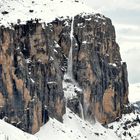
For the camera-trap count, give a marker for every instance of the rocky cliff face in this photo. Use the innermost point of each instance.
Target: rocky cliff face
(98, 68)
(31, 81)
(33, 61)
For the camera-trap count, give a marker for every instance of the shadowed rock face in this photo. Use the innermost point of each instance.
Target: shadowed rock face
(30, 81)
(33, 60)
(98, 68)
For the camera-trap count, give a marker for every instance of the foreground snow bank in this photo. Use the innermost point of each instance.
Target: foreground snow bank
(74, 128)
(128, 127)
(9, 132)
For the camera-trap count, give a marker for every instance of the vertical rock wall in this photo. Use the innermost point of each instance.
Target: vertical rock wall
(30, 79)
(33, 60)
(98, 68)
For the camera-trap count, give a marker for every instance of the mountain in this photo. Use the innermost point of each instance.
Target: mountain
(57, 60)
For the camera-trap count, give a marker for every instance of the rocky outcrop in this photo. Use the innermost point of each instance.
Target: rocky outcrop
(33, 60)
(30, 80)
(98, 68)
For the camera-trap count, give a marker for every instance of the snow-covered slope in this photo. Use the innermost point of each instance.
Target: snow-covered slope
(9, 132)
(46, 10)
(74, 128)
(128, 127)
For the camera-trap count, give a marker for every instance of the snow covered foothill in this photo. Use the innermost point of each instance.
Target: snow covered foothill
(46, 10)
(128, 127)
(9, 132)
(74, 128)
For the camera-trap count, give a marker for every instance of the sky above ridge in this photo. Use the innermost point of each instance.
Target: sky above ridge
(125, 15)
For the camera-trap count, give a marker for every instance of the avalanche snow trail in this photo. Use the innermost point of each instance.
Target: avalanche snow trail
(70, 86)
(74, 128)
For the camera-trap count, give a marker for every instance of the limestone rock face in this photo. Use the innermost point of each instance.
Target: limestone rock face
(30, 77)
(33, 60)
(98, 68)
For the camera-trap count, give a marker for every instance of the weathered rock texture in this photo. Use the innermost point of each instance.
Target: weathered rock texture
(33, 60)
(98, 68)
(30, 81)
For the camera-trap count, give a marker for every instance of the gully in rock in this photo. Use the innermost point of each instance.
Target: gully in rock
(69, 74)
(70, 63)
(69, 94)
(81, 110)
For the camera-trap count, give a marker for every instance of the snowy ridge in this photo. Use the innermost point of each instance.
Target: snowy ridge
(12, 11)
(9, 132)
(74, 128)
(128, 127)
